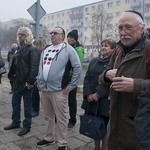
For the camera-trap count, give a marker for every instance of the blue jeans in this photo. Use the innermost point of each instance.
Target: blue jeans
(16, 105)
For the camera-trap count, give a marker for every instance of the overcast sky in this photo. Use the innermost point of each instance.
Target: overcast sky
(13, 9)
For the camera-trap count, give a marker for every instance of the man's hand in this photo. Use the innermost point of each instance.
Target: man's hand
(29, 86)
(123, 84)
(90, 98)
(66, 91)
(110, 74)
(95, 97)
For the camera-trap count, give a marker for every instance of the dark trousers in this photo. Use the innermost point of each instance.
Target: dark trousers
(72, 102)
(35, 100)
(11, 84)
(16, 105)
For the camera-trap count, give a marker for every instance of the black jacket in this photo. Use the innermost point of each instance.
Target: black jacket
(25, 65)
(91, 86)
(142, 120)
(2, 63)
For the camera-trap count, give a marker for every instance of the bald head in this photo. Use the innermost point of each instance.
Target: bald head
(14, 46)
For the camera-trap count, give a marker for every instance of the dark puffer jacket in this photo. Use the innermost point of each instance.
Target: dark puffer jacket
(142, 120)
(25, 65)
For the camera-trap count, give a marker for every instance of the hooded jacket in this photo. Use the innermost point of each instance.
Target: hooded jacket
(59, 73)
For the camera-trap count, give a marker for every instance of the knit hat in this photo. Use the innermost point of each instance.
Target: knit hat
(73, 34)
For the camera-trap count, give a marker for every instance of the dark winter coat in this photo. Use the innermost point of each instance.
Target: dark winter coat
(25, 65)
(142, 120)
(91, 86)
(124, 105)
(2, 63)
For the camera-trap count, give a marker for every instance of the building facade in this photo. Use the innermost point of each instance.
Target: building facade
(96, 19)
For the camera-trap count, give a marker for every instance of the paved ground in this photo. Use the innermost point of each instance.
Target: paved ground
(9, 140)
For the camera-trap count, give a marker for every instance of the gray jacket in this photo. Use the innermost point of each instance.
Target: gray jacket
(59, 75)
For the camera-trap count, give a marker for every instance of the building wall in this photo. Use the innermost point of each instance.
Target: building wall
(80, 18)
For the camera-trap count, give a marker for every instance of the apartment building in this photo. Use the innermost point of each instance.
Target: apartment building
(81, 18)
(94, 21)
(14, 22)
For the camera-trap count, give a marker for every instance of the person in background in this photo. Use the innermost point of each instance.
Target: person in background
(11, 52)
(128, 77)
(72, 38)
(40, 44)
(10, 55)
(92, 92)
(2, 63)
(55, 83)
(24, 70)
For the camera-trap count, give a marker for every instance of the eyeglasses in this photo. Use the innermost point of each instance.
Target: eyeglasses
(21, 34)
(126, 27)
(55, 33)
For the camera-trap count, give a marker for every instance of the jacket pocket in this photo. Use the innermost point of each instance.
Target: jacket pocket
(126, 132)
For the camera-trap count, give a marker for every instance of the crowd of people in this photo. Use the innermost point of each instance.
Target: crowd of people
(116, 83)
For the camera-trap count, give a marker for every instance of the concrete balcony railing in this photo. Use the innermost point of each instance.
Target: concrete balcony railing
(147, 2)
(147, 15)
(135, 4)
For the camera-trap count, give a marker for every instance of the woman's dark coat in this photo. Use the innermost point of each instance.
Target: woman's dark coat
(91, 86)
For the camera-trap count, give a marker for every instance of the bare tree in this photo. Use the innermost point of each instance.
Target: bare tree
(2, 35)
(8, 35)
(101, 27)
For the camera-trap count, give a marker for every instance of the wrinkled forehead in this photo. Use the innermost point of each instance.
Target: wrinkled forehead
(128, 17)
(59, 30)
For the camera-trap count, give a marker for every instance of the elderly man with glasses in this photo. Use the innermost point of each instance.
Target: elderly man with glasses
(126, 76)
(55, 83)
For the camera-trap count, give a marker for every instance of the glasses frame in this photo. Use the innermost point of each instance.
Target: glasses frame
(21, 34)
(54, 33)
(127, 27)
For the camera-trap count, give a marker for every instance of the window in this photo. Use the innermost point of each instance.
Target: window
(86, 9)
(110, 5)
(110, 16)
(52, 25)
(100, 7)
(118, 3)
(117, 14)
(109, 26)
(126, 1)
(58, 15)
(93, 8)
(58, 23)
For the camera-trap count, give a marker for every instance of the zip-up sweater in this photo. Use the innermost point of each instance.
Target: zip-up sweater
(59, 73)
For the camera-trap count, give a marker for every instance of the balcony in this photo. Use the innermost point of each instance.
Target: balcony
(135, 4)
(77, 15)
(147, 15)
(76, 25)
(147, 2)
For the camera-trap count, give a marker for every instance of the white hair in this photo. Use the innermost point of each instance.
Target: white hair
(27, 32)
